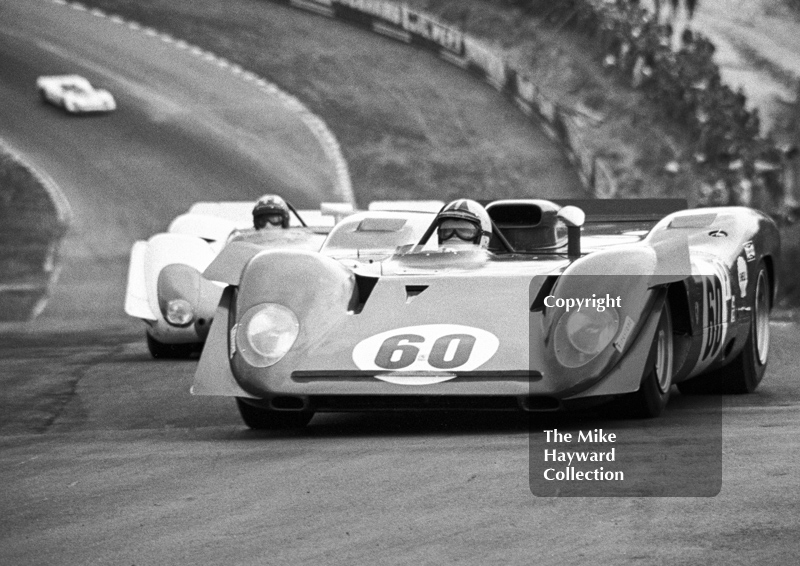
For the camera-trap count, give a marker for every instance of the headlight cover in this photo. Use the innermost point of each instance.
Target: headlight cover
(266, 333)
(179, 312)
(581, 335)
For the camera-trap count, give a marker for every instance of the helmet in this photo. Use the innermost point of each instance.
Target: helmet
(466, 209)
(270, 206)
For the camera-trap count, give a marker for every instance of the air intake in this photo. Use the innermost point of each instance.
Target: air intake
(412, 291)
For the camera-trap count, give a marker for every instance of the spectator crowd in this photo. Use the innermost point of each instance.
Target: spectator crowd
(737, 164)
(730, 154)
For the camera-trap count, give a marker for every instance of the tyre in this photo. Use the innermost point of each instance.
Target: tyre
(159, 350)
(42, 95)
(259, 418)
(653, 394)
(745, 371)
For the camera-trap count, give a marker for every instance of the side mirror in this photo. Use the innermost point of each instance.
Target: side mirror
(338, 210)
(574, 218)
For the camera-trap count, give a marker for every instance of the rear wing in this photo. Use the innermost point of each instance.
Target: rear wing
(619, 210)
(625, 210)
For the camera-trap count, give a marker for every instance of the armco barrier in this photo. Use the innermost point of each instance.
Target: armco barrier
(417, 27)
(34, 218)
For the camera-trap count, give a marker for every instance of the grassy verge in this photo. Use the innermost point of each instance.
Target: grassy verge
(30, 229)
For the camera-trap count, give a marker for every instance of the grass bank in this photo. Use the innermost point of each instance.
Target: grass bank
(404, 131)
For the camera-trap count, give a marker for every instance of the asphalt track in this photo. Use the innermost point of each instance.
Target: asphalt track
(105, 458)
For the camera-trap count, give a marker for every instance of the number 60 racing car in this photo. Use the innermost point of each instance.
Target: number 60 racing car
(552, 307)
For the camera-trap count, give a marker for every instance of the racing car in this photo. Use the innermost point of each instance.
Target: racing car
(686, 297)
(165, 288)
(75, 94)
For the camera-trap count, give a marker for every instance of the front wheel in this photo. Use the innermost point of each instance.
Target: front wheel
(259, 418)
(653, 394)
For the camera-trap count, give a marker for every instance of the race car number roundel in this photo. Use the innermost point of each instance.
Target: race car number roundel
(426, 348)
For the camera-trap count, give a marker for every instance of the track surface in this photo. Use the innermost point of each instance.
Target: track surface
(105, 458)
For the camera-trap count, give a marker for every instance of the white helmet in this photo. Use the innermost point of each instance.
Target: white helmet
(466, 209)
(270, 207)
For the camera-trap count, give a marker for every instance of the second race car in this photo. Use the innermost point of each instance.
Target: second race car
(165, 288)
(75, 94)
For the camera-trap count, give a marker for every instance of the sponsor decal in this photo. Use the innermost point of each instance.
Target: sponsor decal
(749, 251)
(432, 349)
(741, 267)
(627, 327)
(716, 296)
(427, 28)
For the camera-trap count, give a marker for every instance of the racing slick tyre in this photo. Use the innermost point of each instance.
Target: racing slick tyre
(745, 371)
(653, 394)
(259, 418)
(159, 350)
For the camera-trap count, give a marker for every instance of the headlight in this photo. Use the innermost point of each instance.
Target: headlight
(581, 335)
(179, 312)
(265, 333)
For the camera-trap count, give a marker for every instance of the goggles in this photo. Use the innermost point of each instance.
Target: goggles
(466, 233)
(262, 220)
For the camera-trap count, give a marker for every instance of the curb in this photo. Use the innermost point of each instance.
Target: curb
(24, 300)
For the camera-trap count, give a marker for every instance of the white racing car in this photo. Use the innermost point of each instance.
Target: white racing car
(74, 94)
(166, 289)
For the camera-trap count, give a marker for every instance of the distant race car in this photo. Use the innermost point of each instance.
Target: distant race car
(165, 287)
(686, 297)
(75, 94)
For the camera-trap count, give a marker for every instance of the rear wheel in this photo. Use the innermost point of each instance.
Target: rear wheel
(653, 393)
(743, 373)
(259, 418)
(160, 350)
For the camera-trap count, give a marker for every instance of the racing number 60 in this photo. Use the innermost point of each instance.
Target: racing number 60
(398, 352)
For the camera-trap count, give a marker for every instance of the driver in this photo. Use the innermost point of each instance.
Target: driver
(270, 212)
(464, 224)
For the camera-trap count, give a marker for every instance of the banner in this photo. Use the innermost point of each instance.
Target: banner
(493, 66)
(431, 31)
(364, 10)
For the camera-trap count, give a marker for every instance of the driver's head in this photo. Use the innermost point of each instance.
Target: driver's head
(464, 224)
(270, 212)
